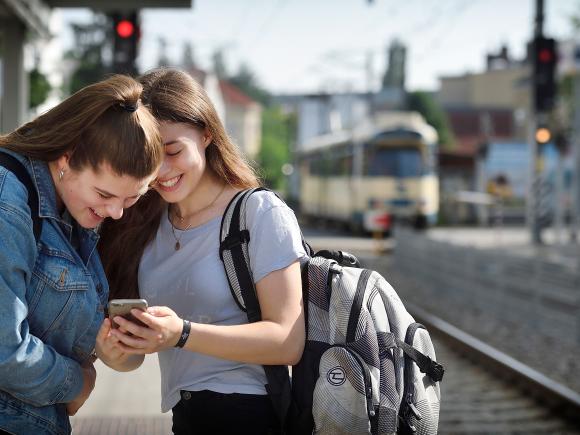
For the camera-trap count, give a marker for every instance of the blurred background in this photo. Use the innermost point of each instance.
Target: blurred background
(438, 140)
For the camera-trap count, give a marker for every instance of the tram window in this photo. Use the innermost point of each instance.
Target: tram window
(345, 166)
(393, 162)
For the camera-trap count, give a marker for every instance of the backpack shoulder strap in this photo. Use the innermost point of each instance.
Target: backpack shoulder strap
(17, 168)
(234, 253)
(234, 239)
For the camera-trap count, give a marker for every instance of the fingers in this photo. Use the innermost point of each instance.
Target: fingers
(131, 350)
(145, 317)
(104, 330)
(127, 328)
(160, 311)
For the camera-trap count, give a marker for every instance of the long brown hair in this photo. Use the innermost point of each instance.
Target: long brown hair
(171, 95)
(103, 122)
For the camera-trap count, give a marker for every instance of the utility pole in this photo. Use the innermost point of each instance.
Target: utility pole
(544, 61)
(576, 153)
(535, 158)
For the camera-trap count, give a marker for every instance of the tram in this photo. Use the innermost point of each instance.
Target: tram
(368, 177)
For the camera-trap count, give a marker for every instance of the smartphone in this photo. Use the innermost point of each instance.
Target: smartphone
(123, 307)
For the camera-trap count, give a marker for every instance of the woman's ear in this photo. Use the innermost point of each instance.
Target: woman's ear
(207, 138)
(62, 162)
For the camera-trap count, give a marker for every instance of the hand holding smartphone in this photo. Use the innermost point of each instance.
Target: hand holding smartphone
(123, 307)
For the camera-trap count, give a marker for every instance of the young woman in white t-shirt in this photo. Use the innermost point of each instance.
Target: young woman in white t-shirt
(167, 250)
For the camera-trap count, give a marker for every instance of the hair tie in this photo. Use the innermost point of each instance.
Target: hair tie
(128, 107)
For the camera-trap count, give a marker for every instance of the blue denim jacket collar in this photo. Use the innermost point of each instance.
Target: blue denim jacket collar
(47, 202)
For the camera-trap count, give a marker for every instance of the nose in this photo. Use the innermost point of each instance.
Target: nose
(115, 211)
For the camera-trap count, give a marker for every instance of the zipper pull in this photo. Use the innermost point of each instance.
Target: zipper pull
(414, 410)
(370, 407)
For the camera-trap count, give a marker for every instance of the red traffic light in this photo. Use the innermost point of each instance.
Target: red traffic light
(125, 29)
(546, 55)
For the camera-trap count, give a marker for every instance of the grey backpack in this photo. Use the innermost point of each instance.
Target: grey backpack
(367, 366)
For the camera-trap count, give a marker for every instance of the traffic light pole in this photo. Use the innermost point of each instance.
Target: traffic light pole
(535, 163)
(576, 154)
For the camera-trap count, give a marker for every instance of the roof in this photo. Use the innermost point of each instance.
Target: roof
(233, 95)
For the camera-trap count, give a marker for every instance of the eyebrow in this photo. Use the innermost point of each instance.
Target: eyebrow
(171, 142)
(104, 192)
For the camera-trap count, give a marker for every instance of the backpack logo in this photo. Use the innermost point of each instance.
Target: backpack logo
(336, 376)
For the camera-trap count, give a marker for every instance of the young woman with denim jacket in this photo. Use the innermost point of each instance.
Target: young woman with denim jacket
(167, 251)
(89, 158)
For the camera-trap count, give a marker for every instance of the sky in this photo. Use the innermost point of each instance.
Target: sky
(298, 46)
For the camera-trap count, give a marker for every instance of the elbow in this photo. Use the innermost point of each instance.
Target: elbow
(295, 357)
(293, 351)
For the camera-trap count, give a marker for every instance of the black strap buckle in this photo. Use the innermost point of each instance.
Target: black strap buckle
(233, 240)
(435, 371)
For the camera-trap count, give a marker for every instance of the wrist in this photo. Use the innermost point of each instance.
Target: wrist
(186, 329)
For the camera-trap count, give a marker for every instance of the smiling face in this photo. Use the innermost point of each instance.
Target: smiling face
(91, 196)
(184, 163)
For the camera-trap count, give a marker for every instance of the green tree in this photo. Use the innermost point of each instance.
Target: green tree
(90, 41)
(219, 64)
(277, 135)
(247, 82)
(424, 103)
(39, 88)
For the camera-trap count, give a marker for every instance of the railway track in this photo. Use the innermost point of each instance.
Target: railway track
(487, 392)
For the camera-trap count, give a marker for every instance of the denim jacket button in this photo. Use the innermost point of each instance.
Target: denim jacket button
(99, 288)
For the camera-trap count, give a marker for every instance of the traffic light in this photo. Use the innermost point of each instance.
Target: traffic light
(544, 80)
(126, 35)
(543, 135)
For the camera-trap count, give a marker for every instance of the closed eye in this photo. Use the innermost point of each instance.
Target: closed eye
(172, 154)
(103, 196)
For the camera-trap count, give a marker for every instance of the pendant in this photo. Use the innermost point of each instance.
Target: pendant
(177, 245)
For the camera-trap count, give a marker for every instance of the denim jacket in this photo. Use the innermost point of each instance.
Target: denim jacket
(52, 299)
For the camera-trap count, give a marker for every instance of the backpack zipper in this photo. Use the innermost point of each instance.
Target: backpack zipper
(409, 388)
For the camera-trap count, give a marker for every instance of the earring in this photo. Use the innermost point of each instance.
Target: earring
(60, 174)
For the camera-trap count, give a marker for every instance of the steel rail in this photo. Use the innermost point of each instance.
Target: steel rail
(560, 398)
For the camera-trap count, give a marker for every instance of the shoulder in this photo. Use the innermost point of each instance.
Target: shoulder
(265, 200)
(265, 203)
(268, 212)
(13, 194)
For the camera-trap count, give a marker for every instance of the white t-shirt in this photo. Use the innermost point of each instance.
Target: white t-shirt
(193, 283)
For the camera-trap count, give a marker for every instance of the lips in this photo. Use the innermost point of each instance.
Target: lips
(170, 184)
(97, 215)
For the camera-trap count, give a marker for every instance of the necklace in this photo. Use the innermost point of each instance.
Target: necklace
(182, 219)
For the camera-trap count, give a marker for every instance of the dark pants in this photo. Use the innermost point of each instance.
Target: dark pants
(208, 412)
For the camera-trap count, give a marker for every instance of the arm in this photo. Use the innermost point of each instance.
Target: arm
(29, 370)
(277, 339)
(89, 378)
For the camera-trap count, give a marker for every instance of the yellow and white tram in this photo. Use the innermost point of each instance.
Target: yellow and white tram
(373, 174)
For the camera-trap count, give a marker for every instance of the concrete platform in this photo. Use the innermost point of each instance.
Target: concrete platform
(124, 403)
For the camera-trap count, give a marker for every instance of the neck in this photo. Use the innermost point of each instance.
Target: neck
(202, 199)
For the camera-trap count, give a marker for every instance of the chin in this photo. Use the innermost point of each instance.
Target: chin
(169, 197)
